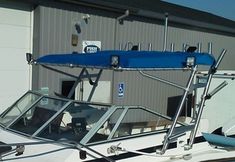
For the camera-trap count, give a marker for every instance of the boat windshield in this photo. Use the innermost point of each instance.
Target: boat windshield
(52, 118)
(38, 115)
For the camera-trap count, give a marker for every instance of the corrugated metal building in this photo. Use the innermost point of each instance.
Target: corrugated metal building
(55, 25)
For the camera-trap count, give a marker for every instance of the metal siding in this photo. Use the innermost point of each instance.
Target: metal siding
(192, 37)
(57, 25)
(140, 32)
(146, 92)
(140, 90)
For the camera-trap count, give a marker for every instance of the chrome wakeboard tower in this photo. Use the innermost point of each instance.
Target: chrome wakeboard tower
(172, 134)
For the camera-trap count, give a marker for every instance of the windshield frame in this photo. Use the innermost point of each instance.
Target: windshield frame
(85, 140)
(109, 113)
(24, 111)
(68, 102)
(40, 129)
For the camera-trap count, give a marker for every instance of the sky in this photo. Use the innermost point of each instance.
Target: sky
(223, 8)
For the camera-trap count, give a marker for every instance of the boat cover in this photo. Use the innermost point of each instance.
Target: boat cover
(127, 59)
(219, 140)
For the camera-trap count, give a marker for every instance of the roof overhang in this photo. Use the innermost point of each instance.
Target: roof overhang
(178, 15)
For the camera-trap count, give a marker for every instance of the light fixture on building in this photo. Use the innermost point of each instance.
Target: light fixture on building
(78, 27)
(86, 18)
(74, 40)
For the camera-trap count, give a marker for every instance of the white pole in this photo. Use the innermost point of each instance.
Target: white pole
(165, 32)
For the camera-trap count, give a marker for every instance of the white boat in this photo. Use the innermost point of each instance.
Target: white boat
(39, 127)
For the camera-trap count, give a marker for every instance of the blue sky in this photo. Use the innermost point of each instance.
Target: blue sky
(224, 8)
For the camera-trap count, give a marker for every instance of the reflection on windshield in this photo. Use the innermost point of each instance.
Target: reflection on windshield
(38, 115)
(74, 122)
(136, 121)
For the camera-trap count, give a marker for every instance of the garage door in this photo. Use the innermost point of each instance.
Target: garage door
(15, 41)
